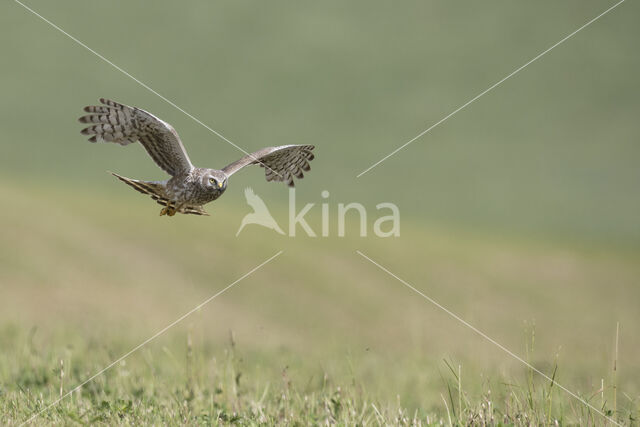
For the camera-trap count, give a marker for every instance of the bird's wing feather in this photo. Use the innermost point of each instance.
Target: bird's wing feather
(114, 122)
(281, 163)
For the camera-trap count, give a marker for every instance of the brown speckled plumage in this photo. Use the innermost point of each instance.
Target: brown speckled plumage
(189, 187)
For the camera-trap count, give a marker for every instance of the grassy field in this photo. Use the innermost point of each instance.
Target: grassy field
(519, 214)
(320, 334)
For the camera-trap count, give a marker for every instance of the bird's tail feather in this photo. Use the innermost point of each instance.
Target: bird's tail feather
(157, 192)
(153, 189)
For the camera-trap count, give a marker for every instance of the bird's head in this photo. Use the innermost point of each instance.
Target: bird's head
(215, 180)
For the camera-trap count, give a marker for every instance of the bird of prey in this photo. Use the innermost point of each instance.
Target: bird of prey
(260, 214)
(189, 187)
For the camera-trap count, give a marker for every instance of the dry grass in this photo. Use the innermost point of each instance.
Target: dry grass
(325, 337)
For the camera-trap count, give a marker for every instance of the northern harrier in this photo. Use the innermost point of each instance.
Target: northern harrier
(189, 187)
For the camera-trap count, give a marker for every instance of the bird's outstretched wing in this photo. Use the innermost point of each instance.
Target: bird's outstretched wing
(114, 122)
(280, 163)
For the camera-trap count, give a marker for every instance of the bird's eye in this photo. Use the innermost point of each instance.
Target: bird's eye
(212, 180)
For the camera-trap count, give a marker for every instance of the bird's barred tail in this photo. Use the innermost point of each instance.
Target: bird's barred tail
(157, 192)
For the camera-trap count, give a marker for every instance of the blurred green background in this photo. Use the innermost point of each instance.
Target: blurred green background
(522, 209)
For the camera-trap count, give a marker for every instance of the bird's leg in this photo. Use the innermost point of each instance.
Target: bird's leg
(167, 209)
(175, 209)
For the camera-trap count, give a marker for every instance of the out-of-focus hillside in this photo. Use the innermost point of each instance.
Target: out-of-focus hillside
(553, 150)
